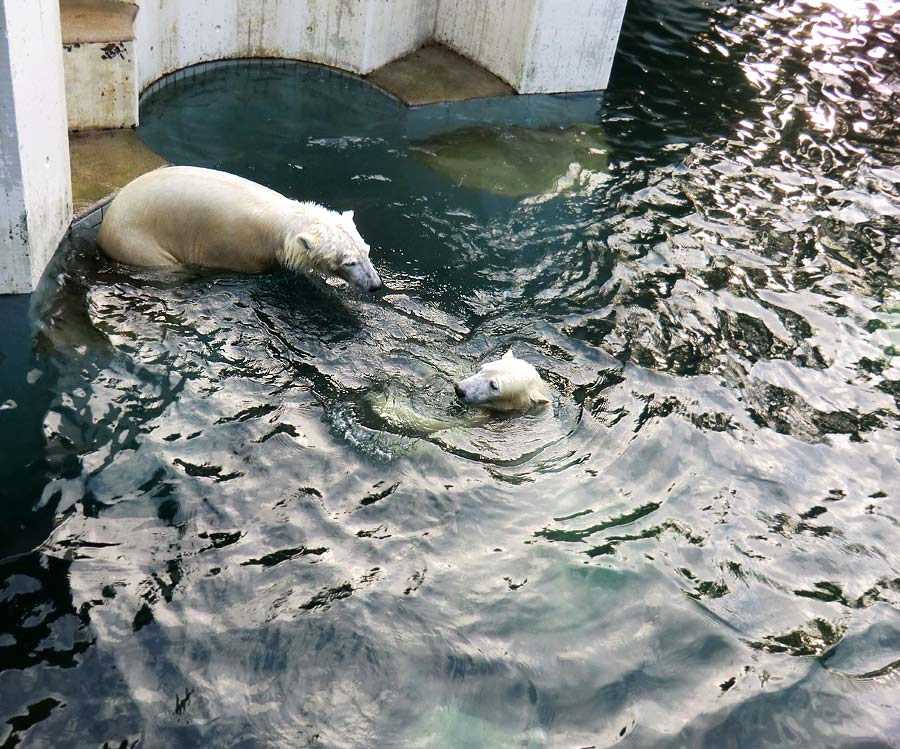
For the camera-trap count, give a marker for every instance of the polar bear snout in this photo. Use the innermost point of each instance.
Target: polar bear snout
(373, 280)
(361, 274)
(352, 252)
(475, 390)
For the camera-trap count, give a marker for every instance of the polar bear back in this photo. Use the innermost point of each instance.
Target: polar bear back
(195, 216)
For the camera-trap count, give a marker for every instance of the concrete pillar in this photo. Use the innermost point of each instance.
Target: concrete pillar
(571, 45)
(395, 29)
(35, 181)
(493, 33)
(536, 46)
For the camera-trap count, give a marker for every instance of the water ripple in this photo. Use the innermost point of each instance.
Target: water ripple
(261, 517)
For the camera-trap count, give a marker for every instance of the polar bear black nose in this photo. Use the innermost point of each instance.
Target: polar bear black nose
(460, 393)
(374, 286)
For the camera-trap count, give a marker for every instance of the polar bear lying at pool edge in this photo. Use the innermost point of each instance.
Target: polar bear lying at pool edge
(191, 216)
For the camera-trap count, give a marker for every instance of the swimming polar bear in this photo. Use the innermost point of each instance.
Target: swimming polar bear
(184, 215)
(508, 384)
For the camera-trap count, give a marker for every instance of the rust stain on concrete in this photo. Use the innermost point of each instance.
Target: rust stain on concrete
(112, 50)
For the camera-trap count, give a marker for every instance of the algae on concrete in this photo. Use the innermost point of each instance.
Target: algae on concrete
(434, 74)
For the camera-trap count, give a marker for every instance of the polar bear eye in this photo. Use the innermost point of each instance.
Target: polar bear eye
(493, 384)
(350, 263)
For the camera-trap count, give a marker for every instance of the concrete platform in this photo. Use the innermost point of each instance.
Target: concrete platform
(86, 21)
(435, 74)
(104, 162)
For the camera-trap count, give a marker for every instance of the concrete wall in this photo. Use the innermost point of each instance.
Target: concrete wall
(493, 34)
(536, 46)
(571, 49)
(395, 28)
(101, 90)
(35, 189)
(354, 35)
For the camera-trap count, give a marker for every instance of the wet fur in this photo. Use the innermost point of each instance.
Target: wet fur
(208, 218)
(519, 387)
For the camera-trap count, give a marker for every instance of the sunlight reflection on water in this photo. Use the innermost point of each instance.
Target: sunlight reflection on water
(270, 523)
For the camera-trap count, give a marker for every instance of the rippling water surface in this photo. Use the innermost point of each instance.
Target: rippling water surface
(247, 511)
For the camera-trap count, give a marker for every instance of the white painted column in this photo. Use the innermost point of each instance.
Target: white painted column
(571, 45)
(536, 46)
(493, 33)
(394, 29)
(35, 179)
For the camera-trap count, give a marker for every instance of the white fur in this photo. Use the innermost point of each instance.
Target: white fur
(508, 384)
(193, 216)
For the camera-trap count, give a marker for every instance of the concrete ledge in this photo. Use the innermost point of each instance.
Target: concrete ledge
(96, 21)
(435, 74)
(103, 163)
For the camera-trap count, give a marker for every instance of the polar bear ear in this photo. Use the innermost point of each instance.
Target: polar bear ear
(509, 354)
(298, 249)
(348, 215)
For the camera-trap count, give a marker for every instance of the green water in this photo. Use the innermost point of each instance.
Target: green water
(248, 510)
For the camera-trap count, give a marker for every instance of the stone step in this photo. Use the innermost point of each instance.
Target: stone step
(435, 74)
(100, 63)
(96, 21)
(103, 163)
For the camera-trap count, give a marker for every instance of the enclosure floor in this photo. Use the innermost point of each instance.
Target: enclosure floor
(96, 21)
(435, 74)
(104, 162)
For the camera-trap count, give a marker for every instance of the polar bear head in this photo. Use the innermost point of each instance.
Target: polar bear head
(328, 242)
(508, 384)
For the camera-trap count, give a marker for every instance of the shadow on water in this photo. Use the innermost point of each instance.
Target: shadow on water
(247, 511)
(27, 385)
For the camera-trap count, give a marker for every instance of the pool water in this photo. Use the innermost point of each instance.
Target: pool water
(248, 511)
